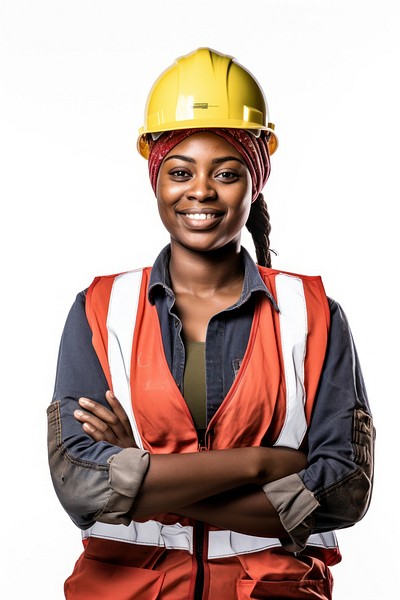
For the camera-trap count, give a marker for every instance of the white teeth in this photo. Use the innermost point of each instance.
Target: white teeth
(200, 216)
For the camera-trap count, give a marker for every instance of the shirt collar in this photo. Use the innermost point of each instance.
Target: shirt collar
(253, 282)
(159, 277)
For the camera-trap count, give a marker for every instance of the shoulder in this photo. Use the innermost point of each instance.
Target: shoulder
(339, 321)
(106, 282)
(286, 282)
(273, 273)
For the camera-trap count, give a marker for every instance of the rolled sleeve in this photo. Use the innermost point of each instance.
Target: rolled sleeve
(294, 504)
(127, 470)
(94, 481)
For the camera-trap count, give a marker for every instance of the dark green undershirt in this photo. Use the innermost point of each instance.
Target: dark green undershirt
(194, 382)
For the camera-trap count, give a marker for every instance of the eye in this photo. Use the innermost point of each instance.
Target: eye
(227, 176)
(179, 173)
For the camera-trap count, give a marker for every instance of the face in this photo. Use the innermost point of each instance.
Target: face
(204, 193)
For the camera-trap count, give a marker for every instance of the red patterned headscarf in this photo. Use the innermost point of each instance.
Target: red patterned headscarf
(254, 151)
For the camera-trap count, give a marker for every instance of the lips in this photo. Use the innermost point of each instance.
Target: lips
(201, 219)
(201, 216)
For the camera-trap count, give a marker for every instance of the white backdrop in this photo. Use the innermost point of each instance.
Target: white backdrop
(76, 202)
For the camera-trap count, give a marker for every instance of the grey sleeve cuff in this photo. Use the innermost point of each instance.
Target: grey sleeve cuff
(127, 469)
(295, 505)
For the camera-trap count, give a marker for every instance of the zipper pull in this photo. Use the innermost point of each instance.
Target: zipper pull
(201, 436)
(204, 436)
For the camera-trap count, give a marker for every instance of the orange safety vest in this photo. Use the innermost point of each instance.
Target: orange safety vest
(269, 403)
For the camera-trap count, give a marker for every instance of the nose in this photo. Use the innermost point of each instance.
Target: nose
(201, 188)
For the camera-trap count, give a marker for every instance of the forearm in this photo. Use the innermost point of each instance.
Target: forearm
(245, 510)
(92, 481)
(177, 480)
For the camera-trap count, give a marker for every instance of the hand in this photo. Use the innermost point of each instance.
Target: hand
(106, 425)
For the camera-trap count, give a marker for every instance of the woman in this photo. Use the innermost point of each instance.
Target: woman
(209, 426)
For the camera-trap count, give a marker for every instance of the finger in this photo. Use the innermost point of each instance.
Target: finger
(94, 433)
(100, 411)
(105, 415)
(119, 411)
(91, 422)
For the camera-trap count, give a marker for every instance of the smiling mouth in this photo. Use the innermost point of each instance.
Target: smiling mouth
(201, 220)
(200, 216)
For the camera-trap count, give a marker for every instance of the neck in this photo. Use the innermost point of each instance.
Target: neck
(203, 273)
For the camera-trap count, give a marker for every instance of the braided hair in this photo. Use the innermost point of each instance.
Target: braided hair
(259, 227)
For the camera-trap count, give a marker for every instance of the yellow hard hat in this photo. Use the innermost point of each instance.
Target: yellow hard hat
(205, 89)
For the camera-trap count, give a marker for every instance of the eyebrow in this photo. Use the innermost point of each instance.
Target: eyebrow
(226, 159)
(180, 157)
(215, 161)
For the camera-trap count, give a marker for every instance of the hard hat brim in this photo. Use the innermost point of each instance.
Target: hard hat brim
(143, 144)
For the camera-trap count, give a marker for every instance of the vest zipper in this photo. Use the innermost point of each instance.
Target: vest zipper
(199, 532)
(199, 585)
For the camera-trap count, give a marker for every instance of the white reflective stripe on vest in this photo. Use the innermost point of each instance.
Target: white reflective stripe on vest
(121, 325)
(121, 321)
(226, 543)
(150, 533)
(323, 540)
(293, 325)
(230, 543)
(221, 543)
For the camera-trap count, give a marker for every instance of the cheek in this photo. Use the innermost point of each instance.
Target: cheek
(163, 199)
(168, 192)
(245, 206)
(166, 212)
(159, 189)
(244, 216)
(163, 213)
(247, 197)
